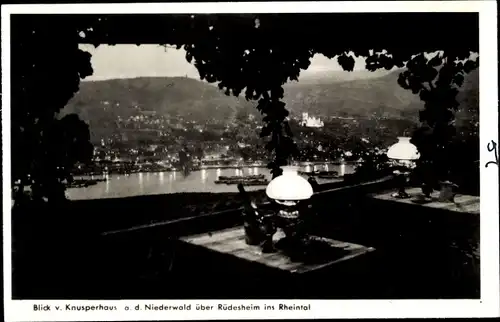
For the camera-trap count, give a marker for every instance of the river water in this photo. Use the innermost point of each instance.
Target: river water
(151, 183)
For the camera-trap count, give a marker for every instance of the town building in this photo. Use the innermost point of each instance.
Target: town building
(310, 121)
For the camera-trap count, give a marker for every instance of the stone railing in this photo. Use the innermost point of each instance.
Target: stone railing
(227, 218)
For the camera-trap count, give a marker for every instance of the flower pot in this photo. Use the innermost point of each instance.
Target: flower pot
(448, 191)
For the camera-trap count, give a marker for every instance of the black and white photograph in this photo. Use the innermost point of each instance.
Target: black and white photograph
(240, 160)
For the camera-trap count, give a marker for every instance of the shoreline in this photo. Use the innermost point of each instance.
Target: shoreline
(196, 169)
(155, 169)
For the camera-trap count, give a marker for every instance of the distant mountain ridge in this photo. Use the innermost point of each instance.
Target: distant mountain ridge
(337, 76)
(358, 97)
(100, 103)
(169, 96)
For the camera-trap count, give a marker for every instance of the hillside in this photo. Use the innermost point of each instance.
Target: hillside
(359, 97)
(100, 103)
(363, 97)
(168, 96)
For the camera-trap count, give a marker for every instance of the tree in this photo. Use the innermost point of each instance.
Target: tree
(250, 54)
(437, 81)
(46, 147)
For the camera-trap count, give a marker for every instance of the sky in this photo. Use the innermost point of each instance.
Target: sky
(129, 61)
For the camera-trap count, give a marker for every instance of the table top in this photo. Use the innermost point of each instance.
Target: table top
(463, 203)
(232, 241)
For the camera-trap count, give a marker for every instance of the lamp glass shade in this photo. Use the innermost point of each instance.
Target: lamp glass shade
(403, 150)
(289, 186)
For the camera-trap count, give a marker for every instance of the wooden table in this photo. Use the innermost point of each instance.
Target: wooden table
(463, 203)
(224, 256)
(232, 241)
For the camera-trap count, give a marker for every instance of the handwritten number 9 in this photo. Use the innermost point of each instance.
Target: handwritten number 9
(492, 147)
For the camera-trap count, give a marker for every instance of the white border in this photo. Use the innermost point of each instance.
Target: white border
(486, 307)
(255, 7)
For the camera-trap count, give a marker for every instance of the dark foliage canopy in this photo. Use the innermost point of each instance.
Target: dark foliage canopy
(252, 55)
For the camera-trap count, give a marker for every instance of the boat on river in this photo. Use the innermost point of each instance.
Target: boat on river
(248, 180)
(321, 174)
(259, 182)
(248, 177)
(83, 183)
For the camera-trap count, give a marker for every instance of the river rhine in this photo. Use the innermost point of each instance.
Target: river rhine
(151, 183)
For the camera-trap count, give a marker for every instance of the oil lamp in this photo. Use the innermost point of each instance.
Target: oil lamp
(289, 191)
(404, 153)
